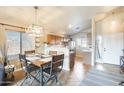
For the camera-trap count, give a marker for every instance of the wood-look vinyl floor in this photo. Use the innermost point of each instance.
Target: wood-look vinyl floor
(81, 75)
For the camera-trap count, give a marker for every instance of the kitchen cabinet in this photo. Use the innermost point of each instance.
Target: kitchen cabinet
(53, 39)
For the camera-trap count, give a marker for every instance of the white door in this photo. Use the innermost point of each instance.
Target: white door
(112, 47)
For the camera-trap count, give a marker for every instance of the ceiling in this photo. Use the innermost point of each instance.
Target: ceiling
(53, 19)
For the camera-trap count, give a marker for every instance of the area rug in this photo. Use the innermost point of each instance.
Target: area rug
(97, 77)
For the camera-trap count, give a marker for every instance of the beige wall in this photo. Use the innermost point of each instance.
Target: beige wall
(2, 35)
(3, 45)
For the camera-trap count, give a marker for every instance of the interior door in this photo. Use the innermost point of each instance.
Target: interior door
(112, 47)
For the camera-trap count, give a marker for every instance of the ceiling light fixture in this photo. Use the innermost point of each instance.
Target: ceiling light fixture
(35, 29)
(113, 20)
(70, 26)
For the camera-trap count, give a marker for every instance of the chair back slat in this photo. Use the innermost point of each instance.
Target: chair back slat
(57, 62)
(53, 52)
(29, 52)
(57, 57)
(54, 67)
(23, 61)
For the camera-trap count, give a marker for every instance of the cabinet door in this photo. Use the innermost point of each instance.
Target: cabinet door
(53, 39)
(50, 39)
(58, 39)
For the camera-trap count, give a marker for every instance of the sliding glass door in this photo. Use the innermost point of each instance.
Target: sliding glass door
(18, 42)
(13, 44)
(28, 42)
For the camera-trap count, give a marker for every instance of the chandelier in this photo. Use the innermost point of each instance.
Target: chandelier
(35, 29)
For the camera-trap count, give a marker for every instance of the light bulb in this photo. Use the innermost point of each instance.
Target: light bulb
(70, 26)
(113, 22)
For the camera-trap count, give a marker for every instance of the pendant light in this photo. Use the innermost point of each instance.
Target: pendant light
(35, 29)
(113, 20)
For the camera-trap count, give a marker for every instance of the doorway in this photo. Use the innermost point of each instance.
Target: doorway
(109, 40)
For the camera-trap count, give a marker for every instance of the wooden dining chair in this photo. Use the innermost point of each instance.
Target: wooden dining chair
(52, 52)
(28, 69)
(51, 72)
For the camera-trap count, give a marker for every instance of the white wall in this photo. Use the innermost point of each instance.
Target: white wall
(85, 34)
(112, 38)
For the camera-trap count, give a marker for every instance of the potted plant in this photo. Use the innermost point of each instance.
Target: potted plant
(4, 59)
(3, 46)
(4, 56)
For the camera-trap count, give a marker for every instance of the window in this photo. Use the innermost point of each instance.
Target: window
(79, 42)
(82, 42)
(13, 42)
(28, 42)
(18, 42)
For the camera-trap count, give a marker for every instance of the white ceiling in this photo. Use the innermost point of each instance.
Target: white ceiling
(54, 19)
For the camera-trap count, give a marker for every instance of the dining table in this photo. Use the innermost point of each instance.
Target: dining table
(40, 62)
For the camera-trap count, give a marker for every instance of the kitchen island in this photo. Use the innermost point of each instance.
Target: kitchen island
(62, 50)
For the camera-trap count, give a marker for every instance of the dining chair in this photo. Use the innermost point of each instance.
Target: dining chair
(55, 67)
(52, 52)
(29, 52)
(29, 69)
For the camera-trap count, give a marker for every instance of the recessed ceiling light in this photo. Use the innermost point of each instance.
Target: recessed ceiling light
(123, 23)
(113, 22)
(70, 26)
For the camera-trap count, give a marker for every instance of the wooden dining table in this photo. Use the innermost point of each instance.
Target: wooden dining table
(40, 62)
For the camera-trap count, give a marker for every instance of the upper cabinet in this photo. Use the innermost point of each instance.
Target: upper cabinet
(54, 39)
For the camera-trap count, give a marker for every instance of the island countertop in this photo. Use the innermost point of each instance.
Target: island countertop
(61, 50)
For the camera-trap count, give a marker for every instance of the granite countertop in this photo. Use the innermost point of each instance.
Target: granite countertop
(87, 50)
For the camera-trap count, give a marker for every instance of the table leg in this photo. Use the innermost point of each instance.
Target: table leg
(120, 62)
(41, 76)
